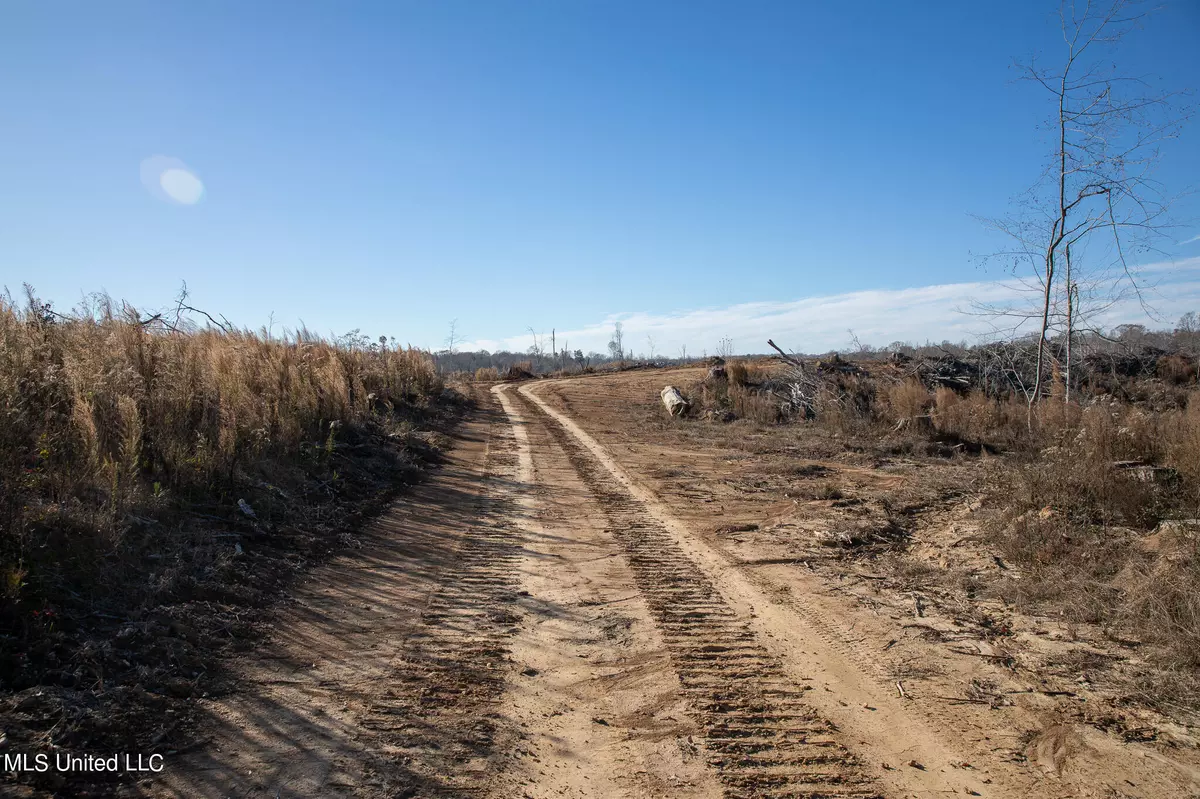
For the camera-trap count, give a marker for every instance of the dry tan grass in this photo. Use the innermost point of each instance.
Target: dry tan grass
(1182, 445)
(1094, 531)
(907, 400)
(748, 404)
(104, 417)
(487, 374)
(737, 373)
(977, 417)
(1162, 595)
(160, 487)
(745, 373)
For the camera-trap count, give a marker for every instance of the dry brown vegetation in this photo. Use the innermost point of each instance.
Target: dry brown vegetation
(1103, 522)
(1094, 504)
(154, 476)
(522, 370)
(487, 374)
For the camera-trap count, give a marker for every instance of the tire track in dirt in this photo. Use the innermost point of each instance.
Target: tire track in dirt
(439, 715)
(887, 732)
(760, 735)
(454, 669)
(599, 706)
(385, 672)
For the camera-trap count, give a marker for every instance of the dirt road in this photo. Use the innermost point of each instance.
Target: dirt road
(541, 620)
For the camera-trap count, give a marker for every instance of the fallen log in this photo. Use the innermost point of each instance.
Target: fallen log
(673, 401)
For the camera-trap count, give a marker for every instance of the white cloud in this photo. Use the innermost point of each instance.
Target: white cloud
(171, 180)
(1189, 241)
(878, 317)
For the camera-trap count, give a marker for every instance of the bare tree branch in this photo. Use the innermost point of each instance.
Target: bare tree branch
(1108, 130)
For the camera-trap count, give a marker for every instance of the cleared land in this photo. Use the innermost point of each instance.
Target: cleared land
(589, 599)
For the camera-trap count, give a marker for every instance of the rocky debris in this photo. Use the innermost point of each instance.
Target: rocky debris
(673, 401)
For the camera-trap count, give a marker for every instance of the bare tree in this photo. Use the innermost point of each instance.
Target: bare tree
(857, 345)
(537, 348)
(725, 348)
(650, 341)
(616, 345)
(1097, 205)
(454, 338)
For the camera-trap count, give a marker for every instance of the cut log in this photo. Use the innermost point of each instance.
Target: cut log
(673, 401)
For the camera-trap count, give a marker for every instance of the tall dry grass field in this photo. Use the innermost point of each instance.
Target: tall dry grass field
(108, 423)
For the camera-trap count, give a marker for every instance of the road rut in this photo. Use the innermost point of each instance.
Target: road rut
(532, 623)
(758, 733)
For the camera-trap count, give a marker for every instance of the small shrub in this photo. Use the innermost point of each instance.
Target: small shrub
(1055, 417)
(907, 400)
(737, 373)
(712, 394)
(829, 490)
(977, 417)
(487, 374)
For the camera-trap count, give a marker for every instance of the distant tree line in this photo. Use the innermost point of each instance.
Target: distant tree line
(544, 362)
(1183, 338)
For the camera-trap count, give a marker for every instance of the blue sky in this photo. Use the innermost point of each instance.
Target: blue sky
(541, 164)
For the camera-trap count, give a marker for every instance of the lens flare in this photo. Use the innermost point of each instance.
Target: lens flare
(171, 180)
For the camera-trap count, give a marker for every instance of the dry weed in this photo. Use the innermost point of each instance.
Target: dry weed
(907, 400)
(487, 374)
(748, 404)
(104, 416)
(745, 373)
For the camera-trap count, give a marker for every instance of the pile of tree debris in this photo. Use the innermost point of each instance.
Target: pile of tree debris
(1000, 370)
(946, 370)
